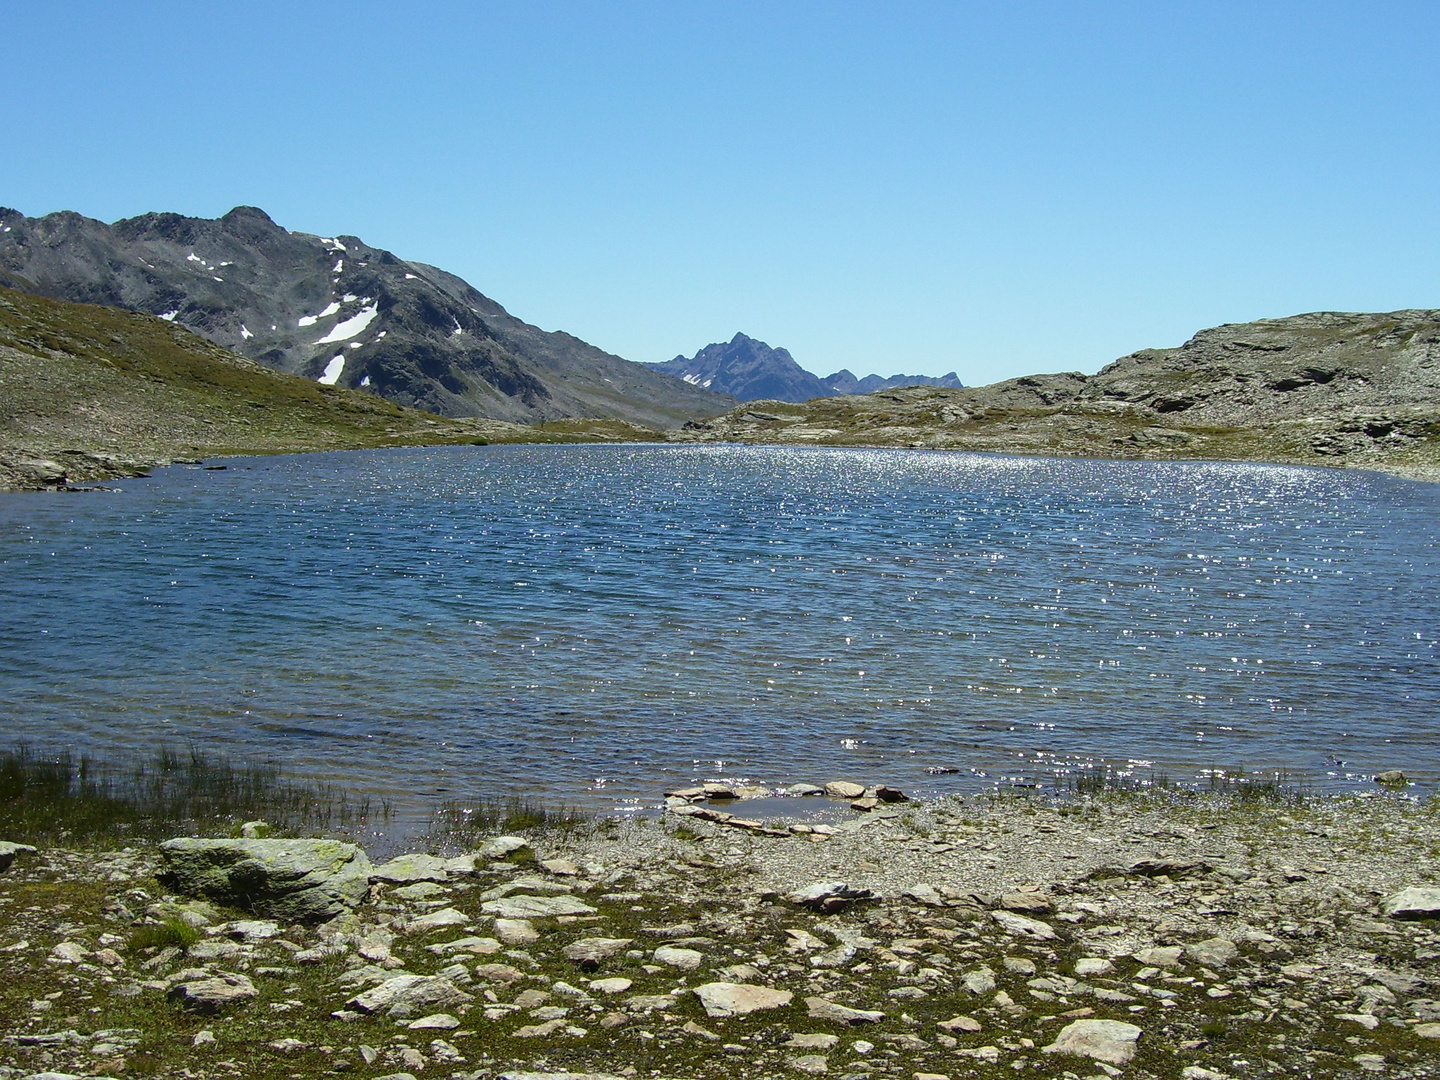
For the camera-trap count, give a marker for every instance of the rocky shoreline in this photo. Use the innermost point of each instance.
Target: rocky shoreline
(1188, 937)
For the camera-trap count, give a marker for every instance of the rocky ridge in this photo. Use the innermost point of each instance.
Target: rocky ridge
(1352, 390)
(337, 310)
(988, 937)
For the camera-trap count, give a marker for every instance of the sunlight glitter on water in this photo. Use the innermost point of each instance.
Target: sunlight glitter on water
(526, 619)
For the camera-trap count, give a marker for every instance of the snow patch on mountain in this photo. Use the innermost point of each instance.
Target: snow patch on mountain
(348, 328)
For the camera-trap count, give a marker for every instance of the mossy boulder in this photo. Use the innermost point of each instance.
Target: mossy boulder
(286, 880)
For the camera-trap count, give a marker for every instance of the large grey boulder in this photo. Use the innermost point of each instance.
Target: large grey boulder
(288, 880)
(8, 851)
(1413, 903)
(740, 999)
(1110, 1041)
(213, 994)
(407, 995)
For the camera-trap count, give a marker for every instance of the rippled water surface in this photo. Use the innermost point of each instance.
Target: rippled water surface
(596, 623)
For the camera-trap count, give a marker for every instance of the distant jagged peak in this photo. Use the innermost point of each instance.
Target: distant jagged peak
(752, 370)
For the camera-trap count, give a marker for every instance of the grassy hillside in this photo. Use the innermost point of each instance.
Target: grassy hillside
(91, 392)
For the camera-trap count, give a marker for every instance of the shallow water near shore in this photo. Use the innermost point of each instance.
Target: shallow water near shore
(593, 624)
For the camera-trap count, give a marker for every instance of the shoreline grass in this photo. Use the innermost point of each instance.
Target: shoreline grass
(62, 796)
(78, 799)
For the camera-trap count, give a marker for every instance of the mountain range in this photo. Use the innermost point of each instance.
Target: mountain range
(751, 370)
(339, 311)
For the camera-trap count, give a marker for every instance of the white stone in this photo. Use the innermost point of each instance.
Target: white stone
(434, 1022)
(739, 999)
(684, 959)
(437, 920)
(1024, 927)
(1213, 952)
(535, 907)
(1110, 1041)
(516, 931)
(823, 1009)
(1166, 957)
(616, 985)
(410, 868)
(1413, 903)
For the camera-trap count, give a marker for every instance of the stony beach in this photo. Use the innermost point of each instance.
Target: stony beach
(1179, 936)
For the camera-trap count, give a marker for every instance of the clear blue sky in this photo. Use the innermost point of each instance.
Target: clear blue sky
(993, 188)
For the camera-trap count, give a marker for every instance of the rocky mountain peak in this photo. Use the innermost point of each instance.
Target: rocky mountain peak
(751, 370)
(336, 310)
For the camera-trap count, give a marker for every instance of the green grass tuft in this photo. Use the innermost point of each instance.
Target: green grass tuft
(171, 931)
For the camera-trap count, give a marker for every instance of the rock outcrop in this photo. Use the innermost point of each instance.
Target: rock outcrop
(290, 880)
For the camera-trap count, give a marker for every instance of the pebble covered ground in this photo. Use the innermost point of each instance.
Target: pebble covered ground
(1178, 937)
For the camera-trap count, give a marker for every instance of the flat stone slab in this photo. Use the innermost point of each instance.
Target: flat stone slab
(437, 920)
(213, 995)
(824, 1009)
(1166, 956)
(406, 995)
(535, 907)
(1021, 926)
(480, 946)
(740, 999)
(1413, 903)
(1110, 1041)
(411, 868)
(1213, 953)
(589, 952)
(684, 959)
(287, 880)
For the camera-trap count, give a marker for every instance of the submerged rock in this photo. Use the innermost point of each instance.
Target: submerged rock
(288, 880)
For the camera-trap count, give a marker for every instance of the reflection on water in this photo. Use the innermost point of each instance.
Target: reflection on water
(596, 623)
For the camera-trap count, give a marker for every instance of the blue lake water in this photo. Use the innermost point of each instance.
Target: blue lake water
(595, 623)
